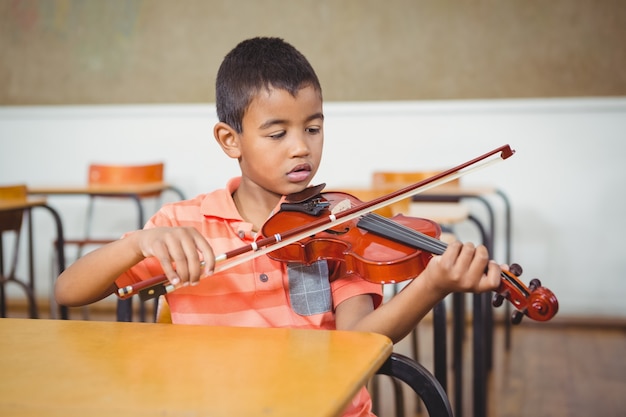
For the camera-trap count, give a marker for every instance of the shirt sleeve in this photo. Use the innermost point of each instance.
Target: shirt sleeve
(149, 267)
(352, 285)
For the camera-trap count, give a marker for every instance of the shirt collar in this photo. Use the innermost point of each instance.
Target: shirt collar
(220, 203)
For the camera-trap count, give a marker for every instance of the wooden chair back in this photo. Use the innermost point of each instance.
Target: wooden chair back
(11, 220)
(401, 179)
(389, 181)
(106, 174)
(366, 194)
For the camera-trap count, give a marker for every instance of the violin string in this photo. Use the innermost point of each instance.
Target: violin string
(431, 244)
(402, 233)
(425, 241)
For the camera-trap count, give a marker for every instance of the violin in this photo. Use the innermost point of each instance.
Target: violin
(534, 301)
(389, 250)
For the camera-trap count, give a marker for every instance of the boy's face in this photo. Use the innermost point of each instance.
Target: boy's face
(281, 143)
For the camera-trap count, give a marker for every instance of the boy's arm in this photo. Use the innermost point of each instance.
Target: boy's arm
(92, 277)
(460, 269)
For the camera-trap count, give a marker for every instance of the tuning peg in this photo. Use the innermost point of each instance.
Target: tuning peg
(515, 269)
(516, 317)
(498, 299)
(534, 284)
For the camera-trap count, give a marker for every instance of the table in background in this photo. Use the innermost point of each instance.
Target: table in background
(59, 367)
(29, 286)
(130, 191)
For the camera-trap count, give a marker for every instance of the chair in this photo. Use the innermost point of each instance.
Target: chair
(364, 195)
(11, 222)
(446, 207)
(399, 367)
(421, 381)
(106, 177)
(444, 213)
(100, 175)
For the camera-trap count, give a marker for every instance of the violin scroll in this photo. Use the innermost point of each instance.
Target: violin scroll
(534, 301)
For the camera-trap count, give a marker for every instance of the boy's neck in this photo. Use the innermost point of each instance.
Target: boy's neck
(253, 210)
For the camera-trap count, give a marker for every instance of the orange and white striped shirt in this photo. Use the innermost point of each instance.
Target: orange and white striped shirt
(258, 293)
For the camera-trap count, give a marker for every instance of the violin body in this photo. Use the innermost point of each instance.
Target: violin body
(385, 250)
(373, 257)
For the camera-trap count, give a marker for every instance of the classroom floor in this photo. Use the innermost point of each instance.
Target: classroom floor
(551, 370)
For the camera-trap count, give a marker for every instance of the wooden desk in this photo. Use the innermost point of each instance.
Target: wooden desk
(112, 190)
(29, 286)
(79, 368)
(132, 191)
(11, 204)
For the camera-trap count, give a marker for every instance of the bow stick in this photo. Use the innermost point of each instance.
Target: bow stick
(149, 288)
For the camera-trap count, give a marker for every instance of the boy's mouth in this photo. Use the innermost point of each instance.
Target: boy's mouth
(299, 173)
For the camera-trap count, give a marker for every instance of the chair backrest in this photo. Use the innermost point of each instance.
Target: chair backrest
(389, 181)
(116, 174)
(11, 220)
(398, 179)
(106, 174)
(366, 194)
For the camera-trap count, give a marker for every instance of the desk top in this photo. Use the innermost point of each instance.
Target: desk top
(117, 189)
(13, 204)
(441, 190)
(61, 368)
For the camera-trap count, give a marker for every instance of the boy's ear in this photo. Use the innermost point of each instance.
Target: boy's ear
(228, 139)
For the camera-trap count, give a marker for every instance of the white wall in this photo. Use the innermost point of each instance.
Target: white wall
(565, 181)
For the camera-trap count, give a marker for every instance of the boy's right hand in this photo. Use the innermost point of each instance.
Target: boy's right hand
(183, 247)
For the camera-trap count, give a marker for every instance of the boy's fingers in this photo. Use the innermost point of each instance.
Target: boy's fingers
(493, 276)
(208, 257)
(467, 256)
(479, 260)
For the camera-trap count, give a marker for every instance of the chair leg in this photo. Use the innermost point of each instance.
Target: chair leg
(125, 310)
(458, 336)
(398, 396)
(440, 344)
(415, 349)
(421, 381)
(374, 390)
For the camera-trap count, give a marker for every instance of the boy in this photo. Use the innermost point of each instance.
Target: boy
(269, 105)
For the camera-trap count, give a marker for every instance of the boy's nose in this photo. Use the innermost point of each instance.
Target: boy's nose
(300, 145)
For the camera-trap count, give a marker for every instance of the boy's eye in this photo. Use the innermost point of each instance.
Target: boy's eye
(313, 130)
(277, 135)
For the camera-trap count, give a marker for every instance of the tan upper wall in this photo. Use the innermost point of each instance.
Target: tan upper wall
(161, 51)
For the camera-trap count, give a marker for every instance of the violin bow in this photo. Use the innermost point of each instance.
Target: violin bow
(148, 288)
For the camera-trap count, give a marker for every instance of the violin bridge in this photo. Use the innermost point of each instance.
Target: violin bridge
(343, 205)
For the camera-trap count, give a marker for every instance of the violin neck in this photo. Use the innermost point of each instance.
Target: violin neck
(387, 228)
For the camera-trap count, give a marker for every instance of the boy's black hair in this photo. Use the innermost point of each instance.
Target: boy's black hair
(257, 63)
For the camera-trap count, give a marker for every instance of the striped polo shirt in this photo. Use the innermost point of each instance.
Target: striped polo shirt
(258, 293)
